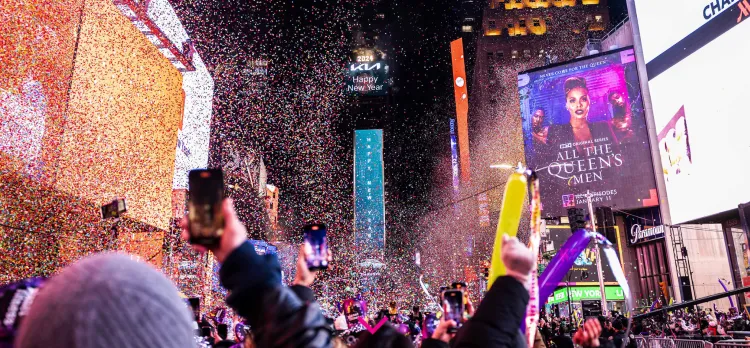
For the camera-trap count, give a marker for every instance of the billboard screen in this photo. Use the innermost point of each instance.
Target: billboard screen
(583, 271)
(698, 79)
(193, 137)
(369, 78)
(461, 93)
(369, 200)
(584, 130)
(36, 54)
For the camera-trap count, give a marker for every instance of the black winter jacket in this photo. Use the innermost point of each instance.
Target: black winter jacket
(277, 315)
(497, 321)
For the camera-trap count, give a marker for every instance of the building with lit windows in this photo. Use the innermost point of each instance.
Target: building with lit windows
(517, 35)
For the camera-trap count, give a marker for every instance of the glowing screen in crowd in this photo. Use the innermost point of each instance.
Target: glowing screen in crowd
(369, 201)
(699, 81)
(584, 130)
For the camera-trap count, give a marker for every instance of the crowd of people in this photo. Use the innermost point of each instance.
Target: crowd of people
(112, 300)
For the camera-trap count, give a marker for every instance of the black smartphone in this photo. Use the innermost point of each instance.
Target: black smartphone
(206, 331)
(316, 246)
(195, 305)
(453, 301)
(205, 219)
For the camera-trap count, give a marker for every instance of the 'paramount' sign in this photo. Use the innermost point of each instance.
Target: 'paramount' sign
(638, 235)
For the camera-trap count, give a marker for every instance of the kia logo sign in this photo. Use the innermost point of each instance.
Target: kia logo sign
(364, 67)
(459, 81)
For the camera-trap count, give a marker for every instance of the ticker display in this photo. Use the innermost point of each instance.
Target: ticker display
(369, 200)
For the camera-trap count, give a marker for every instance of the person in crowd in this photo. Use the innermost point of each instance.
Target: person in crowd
(561, 339)
(385, 337)
(544, 330)
(278, 316)
(497, 320)
(107, 300)
(222, 332)
(416, 316)
(618, 333)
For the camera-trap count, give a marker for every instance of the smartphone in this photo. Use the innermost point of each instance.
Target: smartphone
(429, 324)
(205, 219)
(453, 300)
(206, 331)
(316, 246)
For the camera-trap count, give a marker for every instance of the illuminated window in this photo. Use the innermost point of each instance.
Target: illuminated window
(380, 15)
(493, 25)
(588, 19)
(468, 19)
(522, 23)
(598, 19)
(537, 22)
(514, 54)
(467, 28)
(527, 53)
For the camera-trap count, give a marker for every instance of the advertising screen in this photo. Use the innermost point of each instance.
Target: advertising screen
(584, 267)
(369, 202)
(370, 78)
(584, 131)
(193, 137)
(36, 54)
(461, 94)
(698, 78)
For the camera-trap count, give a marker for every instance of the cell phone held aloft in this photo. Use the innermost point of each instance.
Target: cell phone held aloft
(316, 246)
(205, 217)
(453, 301)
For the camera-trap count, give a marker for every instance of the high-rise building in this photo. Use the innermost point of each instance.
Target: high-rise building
(518, 35)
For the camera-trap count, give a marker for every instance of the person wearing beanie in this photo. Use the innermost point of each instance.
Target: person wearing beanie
(279, 317)
(107, 300)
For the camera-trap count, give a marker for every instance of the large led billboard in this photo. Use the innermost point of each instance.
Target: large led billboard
(584, 131)
(461, 94)
(699, 82)
(36, 54)
(368, 78)
(369, 200)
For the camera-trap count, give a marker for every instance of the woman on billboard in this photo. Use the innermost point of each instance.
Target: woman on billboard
(578, 132)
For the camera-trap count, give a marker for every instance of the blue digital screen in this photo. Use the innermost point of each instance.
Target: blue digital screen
(369, 202)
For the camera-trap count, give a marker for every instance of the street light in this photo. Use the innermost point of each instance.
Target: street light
(502, 166)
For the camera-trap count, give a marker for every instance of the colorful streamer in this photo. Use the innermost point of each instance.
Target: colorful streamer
(731, 302)
(510, 217)
(561, 264)
(532, 309)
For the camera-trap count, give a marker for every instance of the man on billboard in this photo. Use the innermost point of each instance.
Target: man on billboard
(538, 130)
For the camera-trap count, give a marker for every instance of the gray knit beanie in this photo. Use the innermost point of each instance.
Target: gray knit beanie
(107, 300)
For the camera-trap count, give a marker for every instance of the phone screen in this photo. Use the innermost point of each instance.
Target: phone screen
(205, 219)
(316, 246)
(454, 304)
(429, 325)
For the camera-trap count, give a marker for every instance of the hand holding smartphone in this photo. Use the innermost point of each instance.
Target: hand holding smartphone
(316, 246)
(205, 218)
(453, 307)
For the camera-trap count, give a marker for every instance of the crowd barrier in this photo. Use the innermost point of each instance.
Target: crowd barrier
(706, 342)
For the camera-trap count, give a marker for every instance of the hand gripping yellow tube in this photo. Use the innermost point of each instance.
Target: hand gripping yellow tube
(510, 217)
